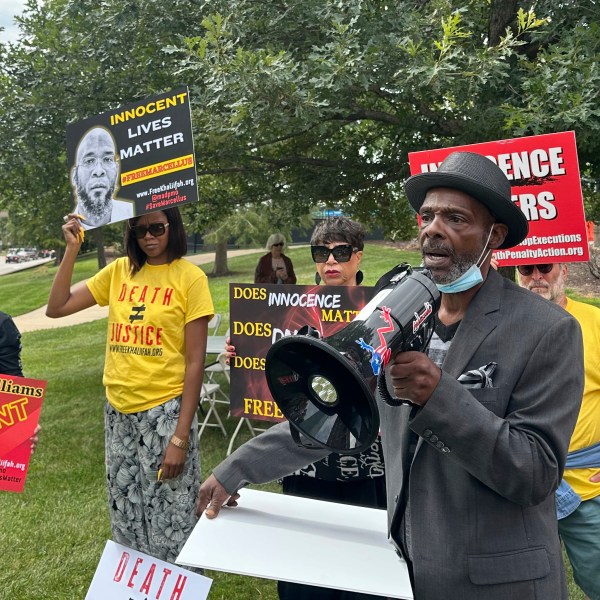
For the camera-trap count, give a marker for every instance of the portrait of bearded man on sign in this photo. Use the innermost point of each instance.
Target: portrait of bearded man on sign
(94, 178)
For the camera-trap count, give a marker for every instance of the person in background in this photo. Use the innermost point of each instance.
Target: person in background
(473, 462)
(275, 266)
(10, 347)
(578, 497)
(10, 357)
(336, 247)
(159, 308)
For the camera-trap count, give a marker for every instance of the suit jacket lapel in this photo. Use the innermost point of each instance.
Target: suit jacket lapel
(476, 325)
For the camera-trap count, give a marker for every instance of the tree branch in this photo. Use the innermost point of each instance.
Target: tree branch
(368, 115)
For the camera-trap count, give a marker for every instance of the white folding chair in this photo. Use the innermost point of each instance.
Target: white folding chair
(220, 366)
(214, 323)
(208, 407)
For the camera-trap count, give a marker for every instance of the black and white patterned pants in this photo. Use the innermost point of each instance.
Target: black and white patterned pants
(154, 517)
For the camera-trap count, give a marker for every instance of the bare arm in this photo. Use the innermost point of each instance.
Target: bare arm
(195, 352)
(65, 300)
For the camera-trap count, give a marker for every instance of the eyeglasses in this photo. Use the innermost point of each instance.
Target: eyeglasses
(90, 162)
(278, 244)
(341, 254)
(155, 229)
(527, 270)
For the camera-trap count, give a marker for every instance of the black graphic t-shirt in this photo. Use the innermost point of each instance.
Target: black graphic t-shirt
(335, 467)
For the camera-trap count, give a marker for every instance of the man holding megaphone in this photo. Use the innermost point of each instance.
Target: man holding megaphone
(472, 462)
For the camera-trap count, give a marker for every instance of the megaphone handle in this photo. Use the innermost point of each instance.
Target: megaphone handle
(418, 343)
(387, 397)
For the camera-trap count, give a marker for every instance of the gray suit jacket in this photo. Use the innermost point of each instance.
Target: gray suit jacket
(481, 485)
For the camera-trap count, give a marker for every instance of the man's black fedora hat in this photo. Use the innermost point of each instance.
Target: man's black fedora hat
(479, 177)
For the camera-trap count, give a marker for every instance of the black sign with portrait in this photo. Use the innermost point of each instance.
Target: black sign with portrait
(133, 160)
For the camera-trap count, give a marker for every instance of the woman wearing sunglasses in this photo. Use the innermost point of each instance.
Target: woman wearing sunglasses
(336, 248)
(275, 266)
(159, 308)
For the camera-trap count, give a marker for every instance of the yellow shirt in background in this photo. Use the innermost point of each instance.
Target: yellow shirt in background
(145, 349)
(587, 429)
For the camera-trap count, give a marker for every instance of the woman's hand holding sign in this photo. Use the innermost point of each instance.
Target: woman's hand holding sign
(72, 229)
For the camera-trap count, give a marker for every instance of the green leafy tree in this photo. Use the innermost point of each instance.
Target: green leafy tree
(75, 58)
(321, 101)
(296, 104)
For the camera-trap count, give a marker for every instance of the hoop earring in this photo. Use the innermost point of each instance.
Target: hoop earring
(317, 278)
(359, 277)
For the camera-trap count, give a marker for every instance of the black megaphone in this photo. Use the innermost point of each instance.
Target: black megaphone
(326, 387)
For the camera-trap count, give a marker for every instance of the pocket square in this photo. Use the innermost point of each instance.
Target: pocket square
(479, 378)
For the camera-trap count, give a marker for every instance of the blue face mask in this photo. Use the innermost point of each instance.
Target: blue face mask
(470, 278)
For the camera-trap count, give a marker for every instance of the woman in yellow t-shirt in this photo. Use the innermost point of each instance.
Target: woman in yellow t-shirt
(159, 308)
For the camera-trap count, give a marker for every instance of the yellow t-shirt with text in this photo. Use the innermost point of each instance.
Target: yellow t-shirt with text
(145, 348)
(587, 429)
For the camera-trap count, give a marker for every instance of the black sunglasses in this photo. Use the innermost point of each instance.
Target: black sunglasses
(155, 229)
(341, 254)
(527, 270)
(278, 244)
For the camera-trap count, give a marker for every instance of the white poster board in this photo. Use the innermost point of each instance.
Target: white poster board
(126, 574)
(303, 541)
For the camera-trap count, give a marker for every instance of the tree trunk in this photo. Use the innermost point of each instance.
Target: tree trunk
(98, 236)
(220, 269)
(502, 14)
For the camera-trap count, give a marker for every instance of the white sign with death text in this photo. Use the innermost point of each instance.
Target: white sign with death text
(126, 574)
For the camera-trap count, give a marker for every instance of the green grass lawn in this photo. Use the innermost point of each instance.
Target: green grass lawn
(24, 291)
(53, 534)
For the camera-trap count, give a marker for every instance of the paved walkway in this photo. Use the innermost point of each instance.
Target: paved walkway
(37, 319)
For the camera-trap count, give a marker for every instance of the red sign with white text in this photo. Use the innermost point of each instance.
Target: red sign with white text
(20, 407)
(544, 173)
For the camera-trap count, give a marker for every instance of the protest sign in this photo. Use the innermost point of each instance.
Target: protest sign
(20, 406)
(133, 160)
(306, 541)
(260, 314)
(544, 174)
(126, 574)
